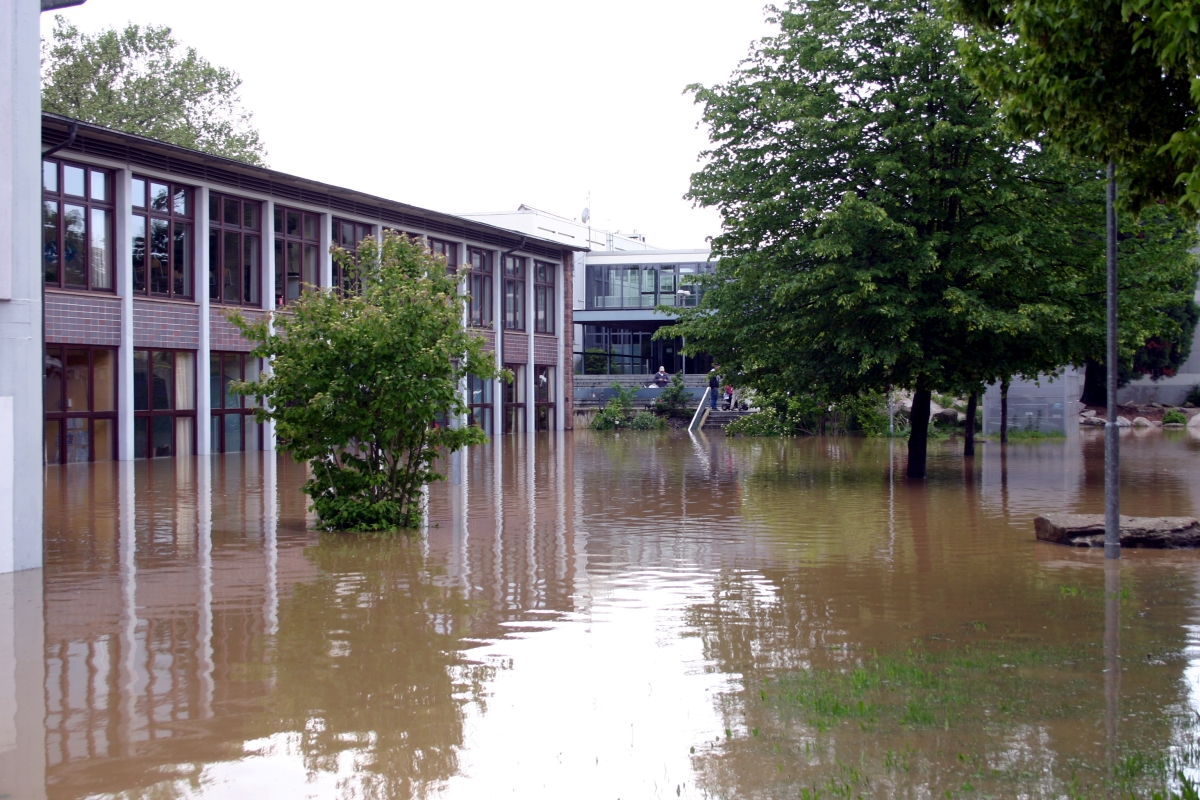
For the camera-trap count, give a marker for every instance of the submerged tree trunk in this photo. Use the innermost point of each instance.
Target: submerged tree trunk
(918, 432)
(1004, 412)
(969, 436)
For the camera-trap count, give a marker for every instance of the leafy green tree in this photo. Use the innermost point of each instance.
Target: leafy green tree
(880, 229)
(140, 81)
(360, 381)
(1101, 78)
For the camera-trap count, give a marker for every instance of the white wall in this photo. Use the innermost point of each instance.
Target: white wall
(20, 282)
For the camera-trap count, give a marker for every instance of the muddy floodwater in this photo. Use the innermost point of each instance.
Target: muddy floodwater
(616, 616)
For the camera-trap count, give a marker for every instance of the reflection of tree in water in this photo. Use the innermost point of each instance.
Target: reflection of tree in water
(367, 669)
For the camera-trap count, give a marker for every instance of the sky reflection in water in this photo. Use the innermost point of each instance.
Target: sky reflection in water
(596, 616)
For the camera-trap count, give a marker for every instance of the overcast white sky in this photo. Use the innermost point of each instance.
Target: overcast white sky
(477, 105)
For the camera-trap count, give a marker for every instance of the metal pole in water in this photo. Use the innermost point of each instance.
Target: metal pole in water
(1112, 484)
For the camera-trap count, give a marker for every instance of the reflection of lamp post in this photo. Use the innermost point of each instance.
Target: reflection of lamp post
(1112, 654)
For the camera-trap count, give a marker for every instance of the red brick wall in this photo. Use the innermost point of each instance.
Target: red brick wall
(489, 339)
(159, 324)
(545, 350)
(82, 319)
(516, 347)
(223, 336)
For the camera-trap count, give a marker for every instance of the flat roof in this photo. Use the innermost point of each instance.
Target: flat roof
(141, 151)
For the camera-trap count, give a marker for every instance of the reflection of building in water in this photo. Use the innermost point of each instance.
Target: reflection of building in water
(190, 611)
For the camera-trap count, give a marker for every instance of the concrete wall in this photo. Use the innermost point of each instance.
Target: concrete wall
(20, 287)
(1044, 404)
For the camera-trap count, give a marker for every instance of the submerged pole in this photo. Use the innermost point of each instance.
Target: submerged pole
(1112, 482)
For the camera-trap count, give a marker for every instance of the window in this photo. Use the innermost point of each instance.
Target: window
(80, 400)
(77, 226)
(479, 404)
(297, 253)
(514, 293)
(543, 398)
(543, 297)
(514, 400)
(347, 235)
(448, 250)
(232, 427)
(234, 251)
(162, 238)
(164, 403)
(480, 288)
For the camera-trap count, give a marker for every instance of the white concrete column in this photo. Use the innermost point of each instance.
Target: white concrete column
(21, 345)
(498, 338)
(127, 548)
(204, 558)
(270, 496)
(560, 379)
(268, 279)
(22, 684)
(203, 389)
(123, 262)
(530, 380)
(326, 257)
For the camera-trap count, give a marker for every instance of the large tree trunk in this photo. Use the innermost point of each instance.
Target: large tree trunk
(969, 436)
(1004, 412)
(918, 432)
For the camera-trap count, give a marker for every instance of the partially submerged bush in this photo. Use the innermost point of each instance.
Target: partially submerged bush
(359, 379)
(645, 421)
(1174, 416)
(675, 401)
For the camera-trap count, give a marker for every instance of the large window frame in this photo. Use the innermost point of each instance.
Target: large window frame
(544, 396)
(479, 287)
(514, 400)
(543, 296)
(164, 403)
(348, 234)
(448, 250)
(234, 250)
(514, 293)
(78, 227)
(297, 253)
(162, 238)
(79, 399)
(232, 427)
(480, 406)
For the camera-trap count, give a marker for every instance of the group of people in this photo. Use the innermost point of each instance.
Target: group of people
(662, 379)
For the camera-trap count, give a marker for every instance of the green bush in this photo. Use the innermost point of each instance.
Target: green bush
(1174, 415)
(761, 423)
(645, 421)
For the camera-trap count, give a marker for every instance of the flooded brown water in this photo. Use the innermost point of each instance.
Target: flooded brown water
(619, 616)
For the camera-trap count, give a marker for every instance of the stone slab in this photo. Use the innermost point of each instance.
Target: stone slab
(1087, 530)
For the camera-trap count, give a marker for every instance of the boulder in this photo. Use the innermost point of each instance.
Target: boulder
(1087, 530)
(1122, 422)
(1098, 422)
(1194, 422)
(1087, 413)
(947, 416)
(1142, 422)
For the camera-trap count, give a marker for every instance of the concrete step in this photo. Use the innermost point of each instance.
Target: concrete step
(719, 419)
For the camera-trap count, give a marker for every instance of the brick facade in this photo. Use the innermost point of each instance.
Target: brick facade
(545, 350)
(159, 324)
(489, 339)
(82, 319)
(223, 336)
(516, 347)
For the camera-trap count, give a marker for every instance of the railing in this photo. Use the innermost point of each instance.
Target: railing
(701, 412)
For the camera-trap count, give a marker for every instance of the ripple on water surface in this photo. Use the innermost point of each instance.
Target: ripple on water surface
(620, 616)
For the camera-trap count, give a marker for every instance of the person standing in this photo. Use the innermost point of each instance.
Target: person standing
(714, 388)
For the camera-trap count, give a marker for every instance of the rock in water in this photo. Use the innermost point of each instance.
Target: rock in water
(1142, 422)
(1087, 530)
(1194, 422)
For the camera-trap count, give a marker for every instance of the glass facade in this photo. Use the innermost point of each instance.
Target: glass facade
(234, 250)
(479, 311)
(79, 396)
(514, 400)
(480, 405)
(162, 239)
(164, 403)
(630, 349)
(347, 235)
(297, 253)
(77, 227)
(544, 395)
(232, 427)
(643, 285)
